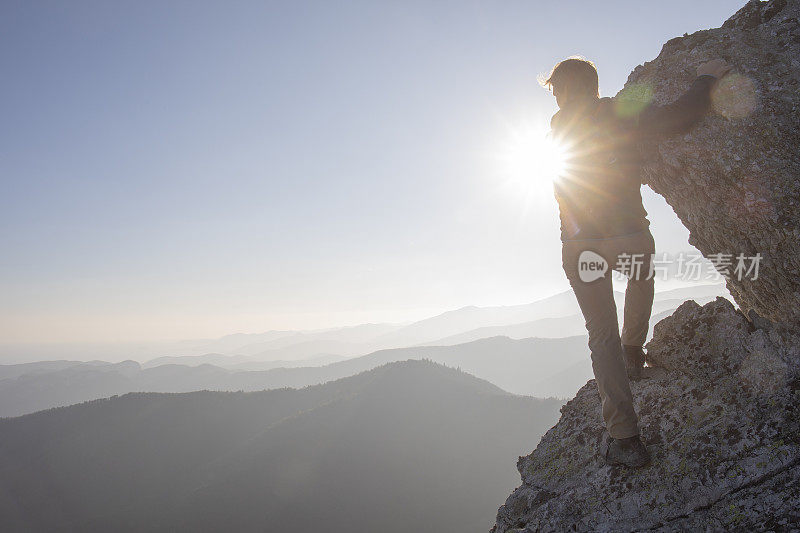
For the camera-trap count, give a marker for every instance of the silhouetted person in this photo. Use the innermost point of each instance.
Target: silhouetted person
(601, 211)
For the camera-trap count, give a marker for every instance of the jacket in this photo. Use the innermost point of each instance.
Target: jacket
(598, 193)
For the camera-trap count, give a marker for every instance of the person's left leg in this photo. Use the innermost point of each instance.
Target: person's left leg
(596, 300)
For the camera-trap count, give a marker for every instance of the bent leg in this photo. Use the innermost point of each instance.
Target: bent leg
(596, 300)
(639, 292)
(638, 306)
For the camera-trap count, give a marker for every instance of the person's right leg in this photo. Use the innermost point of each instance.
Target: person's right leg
(638, 298)
(596, 300)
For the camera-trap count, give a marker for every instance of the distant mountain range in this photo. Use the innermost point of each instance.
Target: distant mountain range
(554, 316)
(409, 446)
(240, 362)
(564, 325)
(519, 366)
(501, 350)
(359, 429)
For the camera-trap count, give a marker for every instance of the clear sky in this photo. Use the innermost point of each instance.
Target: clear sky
(190, 169)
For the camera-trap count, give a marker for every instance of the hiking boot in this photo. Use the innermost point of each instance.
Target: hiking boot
(634, 361)
(630, 452)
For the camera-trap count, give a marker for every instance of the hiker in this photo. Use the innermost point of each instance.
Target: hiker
(602, 214)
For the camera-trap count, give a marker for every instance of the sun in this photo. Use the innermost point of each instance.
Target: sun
(532, 158)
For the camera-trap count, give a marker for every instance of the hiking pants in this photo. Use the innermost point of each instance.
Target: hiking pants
(596, 300)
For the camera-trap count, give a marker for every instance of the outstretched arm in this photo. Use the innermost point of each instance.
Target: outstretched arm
(680, 115)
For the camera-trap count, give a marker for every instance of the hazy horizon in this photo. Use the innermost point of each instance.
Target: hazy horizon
(552, 317)
(184, 172)
(420, 315)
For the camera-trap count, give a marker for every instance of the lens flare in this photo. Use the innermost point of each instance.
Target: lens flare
(633, 99)
(531, 156)
(734, 96)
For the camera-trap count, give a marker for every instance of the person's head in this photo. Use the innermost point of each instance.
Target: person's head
(572, 81)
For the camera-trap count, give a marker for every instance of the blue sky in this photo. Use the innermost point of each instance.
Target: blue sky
(186, 169)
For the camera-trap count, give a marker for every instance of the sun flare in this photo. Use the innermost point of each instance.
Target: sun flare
(532, 157)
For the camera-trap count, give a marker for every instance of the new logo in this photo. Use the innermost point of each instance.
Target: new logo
(591, 266)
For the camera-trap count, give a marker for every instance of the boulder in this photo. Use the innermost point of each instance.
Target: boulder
(734, 180)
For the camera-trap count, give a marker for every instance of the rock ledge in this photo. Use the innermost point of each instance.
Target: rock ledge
(719, 412)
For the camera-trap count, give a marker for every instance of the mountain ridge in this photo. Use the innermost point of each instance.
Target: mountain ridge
(213, 461)
(506, 362)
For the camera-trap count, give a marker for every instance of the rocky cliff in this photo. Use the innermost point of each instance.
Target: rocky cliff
(719, 403)
(734, 181)
(719, 412)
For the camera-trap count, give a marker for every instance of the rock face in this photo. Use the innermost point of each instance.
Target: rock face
(734, 181)
(719, 412)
